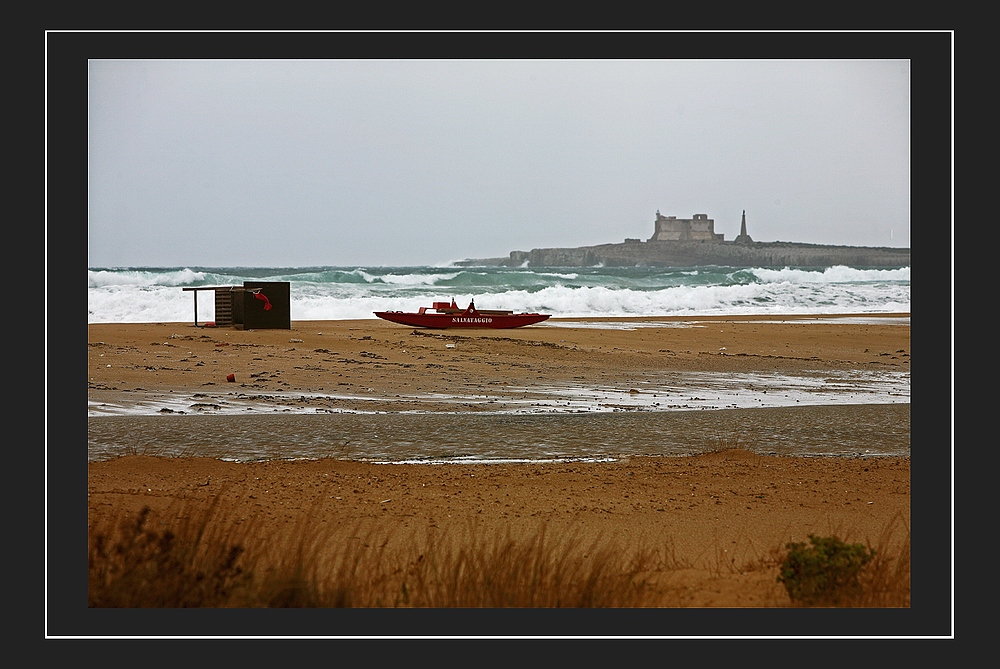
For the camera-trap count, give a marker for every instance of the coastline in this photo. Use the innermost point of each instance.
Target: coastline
(732, 504)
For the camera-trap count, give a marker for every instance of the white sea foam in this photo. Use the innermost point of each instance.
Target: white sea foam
(837, 274)
(105, 278)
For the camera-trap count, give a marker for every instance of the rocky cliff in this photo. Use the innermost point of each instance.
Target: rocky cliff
(695, 253)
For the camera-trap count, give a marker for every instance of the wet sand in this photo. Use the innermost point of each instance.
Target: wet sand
(720, 512)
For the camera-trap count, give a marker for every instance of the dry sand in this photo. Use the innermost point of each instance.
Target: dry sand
(720, 513)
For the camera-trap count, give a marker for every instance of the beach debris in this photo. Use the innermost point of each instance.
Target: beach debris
(295, 341)
(231, 378)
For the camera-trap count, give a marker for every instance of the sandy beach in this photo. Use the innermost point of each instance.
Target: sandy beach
(721, 513)
(391, 367)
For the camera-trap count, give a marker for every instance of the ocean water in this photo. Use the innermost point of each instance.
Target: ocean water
(155, 295)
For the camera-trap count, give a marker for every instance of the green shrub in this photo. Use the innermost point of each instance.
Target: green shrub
(825, 573)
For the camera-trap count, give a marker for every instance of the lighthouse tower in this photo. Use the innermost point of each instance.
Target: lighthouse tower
(744, 238)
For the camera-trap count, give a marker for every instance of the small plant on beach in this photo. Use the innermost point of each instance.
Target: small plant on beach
(826, 572)
(744, 441)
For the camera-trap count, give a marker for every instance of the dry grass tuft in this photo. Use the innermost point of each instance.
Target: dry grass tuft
(886, 581)
(133, 562)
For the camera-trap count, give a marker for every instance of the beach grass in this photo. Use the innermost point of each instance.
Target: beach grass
(185, 558)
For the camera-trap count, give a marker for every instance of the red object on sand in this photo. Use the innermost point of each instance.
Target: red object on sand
(450, 316)
(231, 378)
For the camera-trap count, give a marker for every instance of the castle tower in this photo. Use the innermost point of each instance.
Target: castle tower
(744, 238)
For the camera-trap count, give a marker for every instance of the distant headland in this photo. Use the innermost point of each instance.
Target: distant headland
(691, 242)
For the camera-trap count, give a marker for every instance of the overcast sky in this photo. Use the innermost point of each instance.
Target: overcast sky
(422, 162)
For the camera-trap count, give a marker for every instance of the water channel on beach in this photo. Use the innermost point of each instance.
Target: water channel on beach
(841, 430)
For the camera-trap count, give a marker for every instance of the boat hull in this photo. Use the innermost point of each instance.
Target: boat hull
(461, 320)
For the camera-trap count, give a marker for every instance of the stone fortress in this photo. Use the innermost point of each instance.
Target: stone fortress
(699, 228)
(673, 229)
(692, 242)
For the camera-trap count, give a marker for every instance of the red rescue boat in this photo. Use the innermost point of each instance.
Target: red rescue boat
(449, 315)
